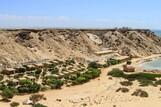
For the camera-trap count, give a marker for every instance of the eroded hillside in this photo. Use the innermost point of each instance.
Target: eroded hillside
(20, 46)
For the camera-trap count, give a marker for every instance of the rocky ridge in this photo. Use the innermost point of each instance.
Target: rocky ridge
(23, 45)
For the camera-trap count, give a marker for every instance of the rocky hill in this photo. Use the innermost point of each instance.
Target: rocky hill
(24, 45)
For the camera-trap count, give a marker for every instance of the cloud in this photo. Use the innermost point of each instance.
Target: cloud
(17, 21)
(7, 20)
(17, 17)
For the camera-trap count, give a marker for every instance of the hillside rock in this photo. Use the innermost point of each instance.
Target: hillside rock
(20, 46)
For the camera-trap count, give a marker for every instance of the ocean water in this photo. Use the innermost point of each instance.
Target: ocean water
(154, 64)
(157, 32)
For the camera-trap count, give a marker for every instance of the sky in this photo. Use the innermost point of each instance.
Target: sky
(80, 13)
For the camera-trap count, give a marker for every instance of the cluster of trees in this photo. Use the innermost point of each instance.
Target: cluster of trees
(91, 73)
(109, 62)
(27, 86)
(53, 82)
(145, 79)
(112, 61)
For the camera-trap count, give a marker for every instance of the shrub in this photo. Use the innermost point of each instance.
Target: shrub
(39, 105)
(54, 83)
(158, 82)
(14, 104)
(20, 70)
(87, 75)
(38, 71)
(93, 72)
(73, 77)
(149, 76)
(126, 83)
(80, 80)
(116, 73)
(124, 90)
(29, 88)
(7, 94)
(144, 79)
(2, 86)
(25, 82)
(54, 70)
(36, 97)
(140, 93)
(112, 61)
(93, 65)
(145, 82)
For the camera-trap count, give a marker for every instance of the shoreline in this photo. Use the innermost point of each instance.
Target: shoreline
(138, 63)
(150, 59)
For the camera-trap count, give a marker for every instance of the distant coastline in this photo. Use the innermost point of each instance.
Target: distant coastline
(157, 32)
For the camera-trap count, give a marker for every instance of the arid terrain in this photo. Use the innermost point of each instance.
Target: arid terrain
(21, 46)
(76, 63)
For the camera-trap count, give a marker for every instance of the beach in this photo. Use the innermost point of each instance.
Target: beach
(100, 92)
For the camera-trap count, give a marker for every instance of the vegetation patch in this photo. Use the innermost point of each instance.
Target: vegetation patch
(94, 65)
(116, 73)
(124, 90)
(50, 75)
(145, 79)
(158, 82)
(91, 73)
(27, 86)
(14, 104)
(39, 105)
(53, 82)
(36, 97)
(7, 94)
(140, 93)
(126, 83)
(112, 61)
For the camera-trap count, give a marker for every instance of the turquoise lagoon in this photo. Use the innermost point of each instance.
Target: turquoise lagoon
(154, 64)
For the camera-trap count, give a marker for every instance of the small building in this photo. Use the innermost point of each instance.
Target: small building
(128, 68)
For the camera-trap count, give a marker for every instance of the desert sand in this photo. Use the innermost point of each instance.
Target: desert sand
(100, 92)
